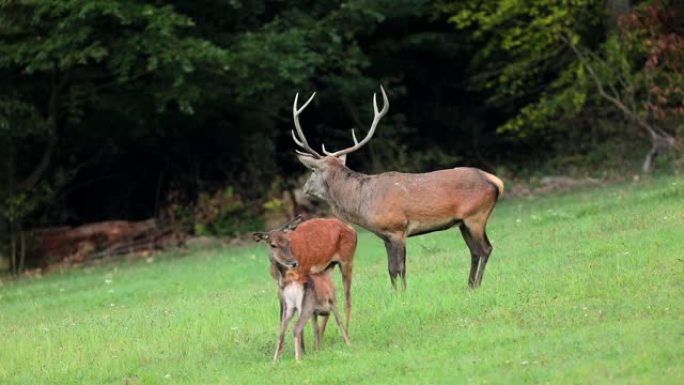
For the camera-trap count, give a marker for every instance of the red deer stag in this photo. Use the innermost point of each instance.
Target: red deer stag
(313, 246)
(396, 205)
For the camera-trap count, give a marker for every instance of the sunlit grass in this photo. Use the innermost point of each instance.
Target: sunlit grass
(583, 287)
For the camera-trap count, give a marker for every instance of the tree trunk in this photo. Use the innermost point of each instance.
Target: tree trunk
(22, 250)
(13, 252)
(59, 83)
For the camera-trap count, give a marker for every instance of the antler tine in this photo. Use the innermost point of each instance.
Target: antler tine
(377, 115)
(303, 153)
(294, 137)
(305, 104)
(356, 143)
(301, 142)
(385, 103)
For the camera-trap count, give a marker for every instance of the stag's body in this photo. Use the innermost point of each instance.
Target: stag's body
(397, 205)
(310, 296)
(411, 204)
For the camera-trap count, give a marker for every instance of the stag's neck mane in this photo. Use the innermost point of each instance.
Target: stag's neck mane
(346, 191)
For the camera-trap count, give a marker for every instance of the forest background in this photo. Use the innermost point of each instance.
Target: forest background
(181, 110)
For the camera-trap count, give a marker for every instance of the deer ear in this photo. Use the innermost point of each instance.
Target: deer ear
(309, 161)
(343, 158)
(258, 237)
(293, 224)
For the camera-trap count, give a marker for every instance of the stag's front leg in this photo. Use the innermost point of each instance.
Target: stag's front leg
(396, 259)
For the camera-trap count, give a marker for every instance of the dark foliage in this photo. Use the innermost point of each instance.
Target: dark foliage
(120, 109)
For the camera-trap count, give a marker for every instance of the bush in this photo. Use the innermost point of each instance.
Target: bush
(223, 213)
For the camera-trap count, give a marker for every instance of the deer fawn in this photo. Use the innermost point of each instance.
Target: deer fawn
(396, 205)
(311, 295)
(312, 247)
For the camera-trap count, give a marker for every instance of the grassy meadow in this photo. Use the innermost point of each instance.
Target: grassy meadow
(582, 287)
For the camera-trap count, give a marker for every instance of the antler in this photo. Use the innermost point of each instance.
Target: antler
(301, 142)
(377, 115)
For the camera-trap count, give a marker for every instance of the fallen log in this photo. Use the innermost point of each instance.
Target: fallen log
(99, 240)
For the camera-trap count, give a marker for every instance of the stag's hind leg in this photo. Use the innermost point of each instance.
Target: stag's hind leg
(474, 257)
(487, 248)
(474, 235)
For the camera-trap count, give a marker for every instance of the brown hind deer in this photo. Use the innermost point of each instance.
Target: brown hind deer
(396, 205)
(313, 246)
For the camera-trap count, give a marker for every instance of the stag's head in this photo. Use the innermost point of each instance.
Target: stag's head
(278, 241)
(321, 165)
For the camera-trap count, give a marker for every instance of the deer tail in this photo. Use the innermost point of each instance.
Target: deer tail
(496, 182)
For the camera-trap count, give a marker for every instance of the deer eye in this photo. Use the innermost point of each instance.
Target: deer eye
(273, 246)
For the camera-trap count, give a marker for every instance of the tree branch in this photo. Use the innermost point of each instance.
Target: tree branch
(52, 121)
(614, 99)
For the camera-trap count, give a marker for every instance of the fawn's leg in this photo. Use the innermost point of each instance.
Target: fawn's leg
(317, 332)
(289, 312)
(305, 314)
(324, 323)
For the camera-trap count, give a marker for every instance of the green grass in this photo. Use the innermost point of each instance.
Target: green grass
(582, 287)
